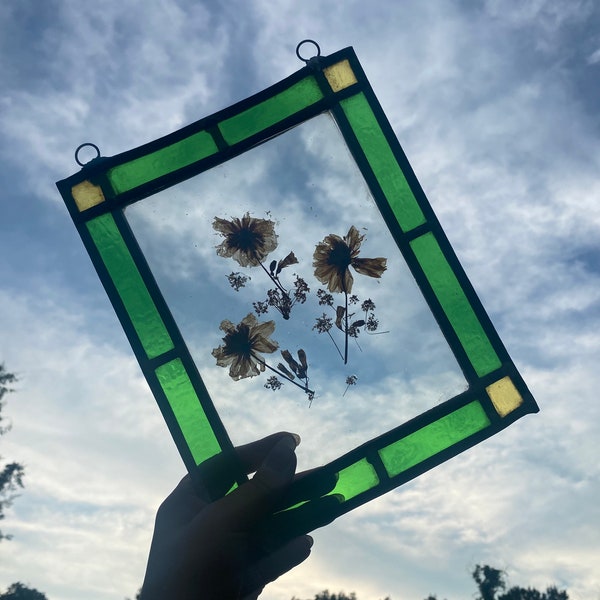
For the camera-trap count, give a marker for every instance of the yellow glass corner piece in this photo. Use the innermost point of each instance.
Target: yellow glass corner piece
(340, 75)
(86, 194)
(504, 396)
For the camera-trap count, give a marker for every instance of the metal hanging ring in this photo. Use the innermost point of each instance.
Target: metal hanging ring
(81, 164)
(307, 60)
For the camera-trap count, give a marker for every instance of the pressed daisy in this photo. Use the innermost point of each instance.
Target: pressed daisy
(242, 346)
(334, 256)
(332, 260)
(247, 240)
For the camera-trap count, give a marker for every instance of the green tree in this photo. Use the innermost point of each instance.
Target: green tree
(18, 591)
(11, 475)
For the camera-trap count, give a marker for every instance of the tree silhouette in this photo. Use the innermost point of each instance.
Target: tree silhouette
(491, 584)
(490, 581)
(326, 595)
(18, 591)
(11, 475)
(519, 593)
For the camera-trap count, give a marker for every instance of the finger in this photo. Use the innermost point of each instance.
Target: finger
(217, 475)
(252, 455)
(248, 504)
(277, 529)
(269, 568)
(308, 485)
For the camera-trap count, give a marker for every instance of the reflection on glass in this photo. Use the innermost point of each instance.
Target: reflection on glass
(293, 298)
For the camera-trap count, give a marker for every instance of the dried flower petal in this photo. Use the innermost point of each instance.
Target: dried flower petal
(334, 256)
(247, 240)
(290, 259)
(372, 267)
(290, 361)
(302, 357)
(340, 312)
(242, 344)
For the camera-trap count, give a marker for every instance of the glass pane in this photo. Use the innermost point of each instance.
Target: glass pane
(383, 162)
(355, 479)
(304, 188)
(433, 438)
(146, 321)
(455, 304)
(504, 396)
(271, 111)
(176, 156)
(87, 194)
(187, 410)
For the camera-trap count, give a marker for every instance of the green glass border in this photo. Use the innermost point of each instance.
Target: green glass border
(388, 460)
(133, 293)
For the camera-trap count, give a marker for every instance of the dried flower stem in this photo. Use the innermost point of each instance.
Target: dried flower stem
(335, 344)
(346, 327)
(275, 280)
(304, 388)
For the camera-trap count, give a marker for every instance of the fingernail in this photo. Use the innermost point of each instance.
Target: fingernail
(310, 541)
(297, 439)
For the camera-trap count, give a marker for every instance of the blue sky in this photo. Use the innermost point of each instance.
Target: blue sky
(495, 104)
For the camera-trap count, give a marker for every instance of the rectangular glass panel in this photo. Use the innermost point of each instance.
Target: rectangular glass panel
(455, 304)
(145, 318)
(307, 186)
(187, 410)
(356, 479)
(87, 194)
(162, 162)
(383, 162)
(340, 75)
(433, 438)
(271, 111)
(504, 396)
(296, 187)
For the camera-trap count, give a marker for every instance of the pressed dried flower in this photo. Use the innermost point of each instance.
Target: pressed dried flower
(247, 240)
(242, 346)
(334, 256)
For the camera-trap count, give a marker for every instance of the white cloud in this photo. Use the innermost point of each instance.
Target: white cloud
(594, 57)
(92, 440)
(510, 163)
(108, 78)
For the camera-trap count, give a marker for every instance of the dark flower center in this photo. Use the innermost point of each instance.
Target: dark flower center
(245, 239)
(339, 256)
(238, 342)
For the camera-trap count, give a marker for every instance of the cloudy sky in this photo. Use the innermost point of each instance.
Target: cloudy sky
(496, 105)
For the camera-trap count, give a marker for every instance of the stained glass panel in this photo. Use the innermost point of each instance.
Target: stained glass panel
(319, 252)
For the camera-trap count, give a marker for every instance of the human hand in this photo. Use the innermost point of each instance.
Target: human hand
(203, 550)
